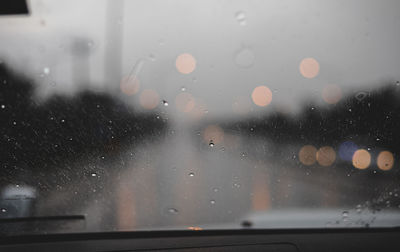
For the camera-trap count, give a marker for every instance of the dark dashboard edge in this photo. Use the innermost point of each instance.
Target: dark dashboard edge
(181, 233)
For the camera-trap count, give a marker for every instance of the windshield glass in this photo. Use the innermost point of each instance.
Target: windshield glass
(152, 115)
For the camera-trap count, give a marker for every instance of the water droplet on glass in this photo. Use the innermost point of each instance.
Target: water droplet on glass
(183, 89)
(191, 174)
(244, 57)
(246, 223)
(345, 214)
(222, 148)
(397, 83)
(360, 96)
(152, 57)
(212, 202)
(215, 190)
(211, 144)
(172, 211)
(3, 106)
(241, 18)
(358, 208)
(165, 103)
(237, 185)
(3, 210)
(93, 174)
(46, 71)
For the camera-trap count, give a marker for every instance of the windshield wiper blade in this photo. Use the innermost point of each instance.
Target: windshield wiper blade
(42, 218)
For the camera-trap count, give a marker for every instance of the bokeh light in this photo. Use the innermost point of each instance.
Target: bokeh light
(385, 160)
(185, 63)
(213, 133)
(185, 102)
(361, 159)
(332, 94)
(326, 156)
(261, 96)
(309, 68)
(149, 99)
(346, 150)
(307, 155)
(130, 85)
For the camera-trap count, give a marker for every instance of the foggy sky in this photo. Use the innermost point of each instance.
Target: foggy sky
(355, 42)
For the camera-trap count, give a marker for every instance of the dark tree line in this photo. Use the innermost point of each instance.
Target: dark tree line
(368, 118)
(37, 137)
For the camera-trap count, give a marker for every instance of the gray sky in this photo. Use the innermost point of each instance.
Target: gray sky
(237, 45)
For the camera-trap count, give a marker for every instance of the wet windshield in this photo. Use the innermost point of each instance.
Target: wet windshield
(152, 115)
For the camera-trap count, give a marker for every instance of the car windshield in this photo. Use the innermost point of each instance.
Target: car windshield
(193, 115)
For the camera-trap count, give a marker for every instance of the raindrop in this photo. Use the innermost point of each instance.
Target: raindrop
(183, 89)
(360, 96)
(345, 214)
(46, 71)
(172, 211)
(165, 103)
(247, 224)
(244, 57)
(191, 174)
(212, 202)
(3, 106)
(358, 208)
(397, 83)
(152, 57)
(3, 210)
(237, 185)
(62, 120)
(211, 144)
(241, 18)
(94, 174)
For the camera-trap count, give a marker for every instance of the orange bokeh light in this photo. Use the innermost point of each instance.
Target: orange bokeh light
(185, 102)
(149, 99)
(385, 160)
(307, 155)
(261, 96)
(361, 159)
(185, 63)
(326, 156)
(332, 94)
(213, 133)
(130, 85)
(195, 228)
(309, 68)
